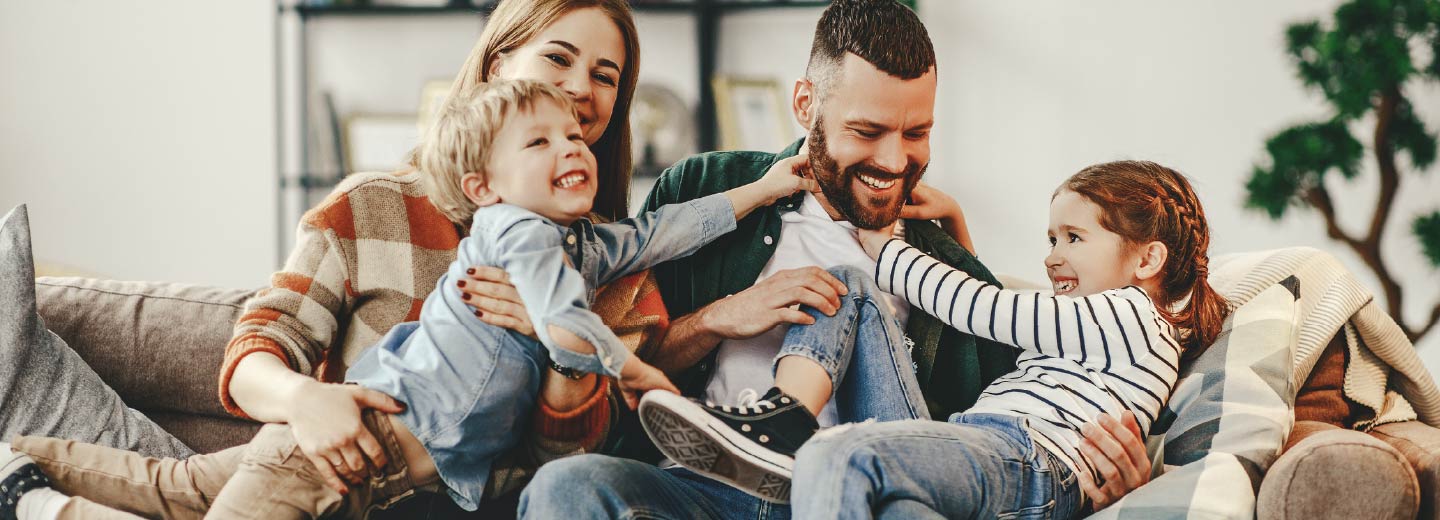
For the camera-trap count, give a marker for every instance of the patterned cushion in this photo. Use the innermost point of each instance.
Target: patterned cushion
(1227, 419)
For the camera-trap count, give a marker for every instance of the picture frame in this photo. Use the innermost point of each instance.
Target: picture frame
(752, 114)
(432, 97)
(379, 142)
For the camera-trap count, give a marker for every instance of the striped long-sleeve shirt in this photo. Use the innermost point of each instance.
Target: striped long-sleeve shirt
(1102, 353)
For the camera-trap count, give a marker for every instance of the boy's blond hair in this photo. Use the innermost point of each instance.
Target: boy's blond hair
(459, 140)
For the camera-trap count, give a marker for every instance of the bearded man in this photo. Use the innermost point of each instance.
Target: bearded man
(868, 102)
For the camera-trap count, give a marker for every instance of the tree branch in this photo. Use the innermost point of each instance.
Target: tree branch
(1434, 318)
(1385, 158)
(1369, 251)
(1319, 198)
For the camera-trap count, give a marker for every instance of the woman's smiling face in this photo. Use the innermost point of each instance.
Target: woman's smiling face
(582, 52)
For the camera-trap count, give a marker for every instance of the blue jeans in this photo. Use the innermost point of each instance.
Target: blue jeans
(977, 466)
(601, 486)
(470, 390)
(862, 347)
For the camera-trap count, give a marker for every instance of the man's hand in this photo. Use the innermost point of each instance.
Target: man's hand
(1118, 453)
(325, 420)
(771, 302)
(637, 377)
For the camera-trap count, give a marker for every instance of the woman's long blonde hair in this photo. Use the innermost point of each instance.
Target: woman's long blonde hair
(516, 22)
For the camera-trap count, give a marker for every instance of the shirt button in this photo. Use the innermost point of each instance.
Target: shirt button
(570, 239)
(606, 359)
(768, 240)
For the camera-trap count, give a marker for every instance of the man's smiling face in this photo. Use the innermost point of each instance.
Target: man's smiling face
(870, 141)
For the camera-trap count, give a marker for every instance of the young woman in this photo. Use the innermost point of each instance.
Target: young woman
(367, 256)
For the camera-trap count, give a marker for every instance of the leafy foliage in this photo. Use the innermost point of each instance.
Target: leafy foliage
(1428, 229)
(1360, 61)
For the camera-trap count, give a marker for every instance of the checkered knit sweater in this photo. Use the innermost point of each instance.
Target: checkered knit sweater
(364, 261)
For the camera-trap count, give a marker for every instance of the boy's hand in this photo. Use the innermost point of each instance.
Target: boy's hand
(637, 377)
(874, 240)
(786, 177)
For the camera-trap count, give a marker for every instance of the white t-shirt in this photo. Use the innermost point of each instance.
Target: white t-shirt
(744, 369)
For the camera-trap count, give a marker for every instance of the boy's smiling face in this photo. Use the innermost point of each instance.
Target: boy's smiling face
(539, 161)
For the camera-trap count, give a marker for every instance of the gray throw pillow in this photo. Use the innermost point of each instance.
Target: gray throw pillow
(45, 388)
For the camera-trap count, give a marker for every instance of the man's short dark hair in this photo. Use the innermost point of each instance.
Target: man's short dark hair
(884, 33)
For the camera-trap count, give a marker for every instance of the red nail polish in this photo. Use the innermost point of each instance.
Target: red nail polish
(478, 314)
(470, 271)
(465, 296)
(462, 283)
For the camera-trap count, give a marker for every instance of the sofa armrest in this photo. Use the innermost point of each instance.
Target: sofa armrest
(1331, 472)
(1420, 445)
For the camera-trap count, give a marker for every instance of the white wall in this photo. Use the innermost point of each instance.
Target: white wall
(142, 136)
(174, 105)
(1030, 93)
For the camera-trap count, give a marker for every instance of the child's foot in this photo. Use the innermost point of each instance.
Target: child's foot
(18, 474)
(752, 448)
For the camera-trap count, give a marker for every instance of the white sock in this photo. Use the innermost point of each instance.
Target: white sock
(40, 504)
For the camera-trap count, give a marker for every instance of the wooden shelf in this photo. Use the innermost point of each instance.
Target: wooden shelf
(483, 8)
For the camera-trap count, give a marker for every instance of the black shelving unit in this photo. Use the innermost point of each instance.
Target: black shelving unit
(707, 15)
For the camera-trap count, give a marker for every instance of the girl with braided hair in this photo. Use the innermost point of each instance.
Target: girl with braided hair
(1128, 265)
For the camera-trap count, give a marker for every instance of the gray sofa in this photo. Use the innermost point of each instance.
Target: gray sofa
(160, 347)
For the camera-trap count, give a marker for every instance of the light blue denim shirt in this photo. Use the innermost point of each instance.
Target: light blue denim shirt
(557, 269)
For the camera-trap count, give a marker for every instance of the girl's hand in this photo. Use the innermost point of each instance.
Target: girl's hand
(488, 290)
(786, 177)
(928, 203)
(1116, 449)
(637, 377)
(325, 420)
(874, 240)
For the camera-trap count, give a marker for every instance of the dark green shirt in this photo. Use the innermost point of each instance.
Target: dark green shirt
(953, 367)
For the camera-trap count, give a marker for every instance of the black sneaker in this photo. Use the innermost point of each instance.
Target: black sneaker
(18, 474)
(752, 447)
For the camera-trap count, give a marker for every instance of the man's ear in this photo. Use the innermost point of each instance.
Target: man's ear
(1152, 261)
(802, 103)
(477, 190)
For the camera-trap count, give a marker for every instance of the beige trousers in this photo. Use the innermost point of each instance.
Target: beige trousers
(268, 478)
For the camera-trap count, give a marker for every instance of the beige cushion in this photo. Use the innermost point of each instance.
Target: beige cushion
(158, 345)
(1340, 474)
(1420, 444)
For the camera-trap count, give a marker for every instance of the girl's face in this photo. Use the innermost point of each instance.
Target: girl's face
(582, 53)
(1085, 258)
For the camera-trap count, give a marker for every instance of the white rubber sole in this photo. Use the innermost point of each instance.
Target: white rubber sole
(691, 437)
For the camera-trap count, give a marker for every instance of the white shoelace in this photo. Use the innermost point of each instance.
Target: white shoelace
(748, 398)
(748, 401)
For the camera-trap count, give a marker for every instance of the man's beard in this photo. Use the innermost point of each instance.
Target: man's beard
(876, 211)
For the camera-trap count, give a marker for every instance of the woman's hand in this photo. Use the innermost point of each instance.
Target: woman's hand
(928, 203)
(1118, 453)
(325, 420)
(489, 292)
